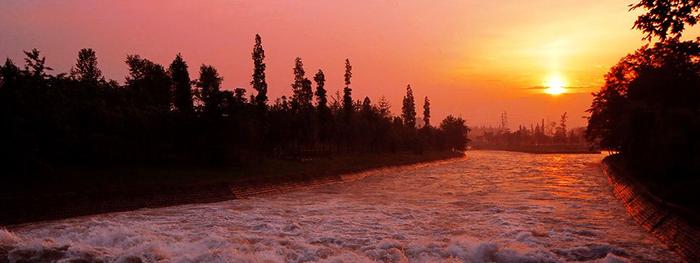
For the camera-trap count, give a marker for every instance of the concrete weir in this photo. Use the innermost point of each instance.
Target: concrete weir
(675, 225)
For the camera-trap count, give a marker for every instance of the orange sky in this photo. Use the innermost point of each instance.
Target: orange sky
(472, 58)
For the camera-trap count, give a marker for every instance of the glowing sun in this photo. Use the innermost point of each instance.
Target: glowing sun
(555, 85)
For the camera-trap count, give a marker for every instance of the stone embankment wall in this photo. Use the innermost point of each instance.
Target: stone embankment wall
(675, 225)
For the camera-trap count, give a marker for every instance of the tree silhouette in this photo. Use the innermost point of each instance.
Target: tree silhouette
(321, 97)
(36, 64)
(666, 18)
(301, 87)
(9, 74)
(561, 130)
(426, 112)
(82, 119)
(324, 113)
(86, 68)
(347, 91)
(150, 83)
(259, 83)
(209, 85)
(455, 132)
(366, 108)
(384, 107)
(308, 94)
(408, 111)
(182, 85)
(239, 95)
(646, 108)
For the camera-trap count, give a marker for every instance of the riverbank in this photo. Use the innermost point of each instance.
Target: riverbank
(675, 224)
(492, 206)
(540, 149)
(123, 189)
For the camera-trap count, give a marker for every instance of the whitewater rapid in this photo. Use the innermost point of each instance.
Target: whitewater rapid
(487, 207)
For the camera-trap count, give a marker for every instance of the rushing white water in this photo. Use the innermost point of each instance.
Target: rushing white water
(487, 207)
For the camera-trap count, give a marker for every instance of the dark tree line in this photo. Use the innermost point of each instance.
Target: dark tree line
(649, 107)
(163, 115)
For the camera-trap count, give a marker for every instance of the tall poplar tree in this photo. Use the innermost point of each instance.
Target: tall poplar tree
(259, 83)
(321, 92)
(426, 112)
(324, 113)
(301, 87)
(347, 91)
(408, 111)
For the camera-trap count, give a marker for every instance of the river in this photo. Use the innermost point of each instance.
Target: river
(487, 207)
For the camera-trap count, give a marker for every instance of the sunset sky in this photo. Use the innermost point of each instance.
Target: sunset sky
(472, 58)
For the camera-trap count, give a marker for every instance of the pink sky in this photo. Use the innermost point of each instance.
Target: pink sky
(472, 58)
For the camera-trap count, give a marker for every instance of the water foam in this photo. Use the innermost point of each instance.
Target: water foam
(477, 210)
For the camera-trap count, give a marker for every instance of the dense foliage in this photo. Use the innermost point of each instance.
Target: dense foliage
(162, 116)
(666, 19)
(648, 110)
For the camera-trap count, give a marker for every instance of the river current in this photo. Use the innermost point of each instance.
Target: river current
(489, 206)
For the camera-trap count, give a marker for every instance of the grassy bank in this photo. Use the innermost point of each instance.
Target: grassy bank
(74, 192)
(84, 179)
